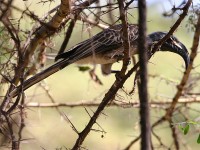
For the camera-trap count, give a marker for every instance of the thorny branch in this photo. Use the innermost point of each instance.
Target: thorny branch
(110, 95)
(54, 68)
(48, 29)
(41, 34)
(4, 8)
(174, 27)
(25, 54)
(126, 42)
(180, 87)
(170, 110)
(185, 77)
(183, 82)
(162, 104)
(68, 35)
(28, 52)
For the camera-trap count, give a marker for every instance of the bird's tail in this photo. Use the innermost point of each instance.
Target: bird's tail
(40, 76)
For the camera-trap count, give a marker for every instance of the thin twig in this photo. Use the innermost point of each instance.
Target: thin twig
(174, 135)
(67, 35)
(125, 104)
(72, 125)
(132, 142)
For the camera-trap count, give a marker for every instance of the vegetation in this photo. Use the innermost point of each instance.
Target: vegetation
(79, 108)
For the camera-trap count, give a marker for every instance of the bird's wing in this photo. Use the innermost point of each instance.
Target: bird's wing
(103, 42)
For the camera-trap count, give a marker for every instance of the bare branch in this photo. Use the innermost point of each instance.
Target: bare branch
(174, 27)
(175, 136)
(183, 82)
(156, 47)
(162, 104)
(41, 35)
(132, 142)
(68, 35)
(125, 37)
(72, 125)
(5, 6)
(109, 96)
(142, 84)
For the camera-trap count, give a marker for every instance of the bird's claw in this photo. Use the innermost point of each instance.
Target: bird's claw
(115, 71)
(117, 74)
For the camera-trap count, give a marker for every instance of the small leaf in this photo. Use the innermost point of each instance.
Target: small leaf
(198, 140)
(186, 129)
(83, 68)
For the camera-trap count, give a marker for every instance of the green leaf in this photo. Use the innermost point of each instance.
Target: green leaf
(198, 140)
(83, 68)
(186, 129)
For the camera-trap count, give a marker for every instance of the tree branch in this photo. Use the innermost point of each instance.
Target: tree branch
(174, 27)
(185, 77)
(142, 84)
(43, 32)
(163, 104)
(125, 37)
(156, 47)
(109, 96)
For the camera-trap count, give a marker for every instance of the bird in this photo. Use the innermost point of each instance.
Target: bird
(106, 47)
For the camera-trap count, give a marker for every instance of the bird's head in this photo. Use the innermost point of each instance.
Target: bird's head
(172, 44)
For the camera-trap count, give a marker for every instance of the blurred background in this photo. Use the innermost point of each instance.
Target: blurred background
(45, 128)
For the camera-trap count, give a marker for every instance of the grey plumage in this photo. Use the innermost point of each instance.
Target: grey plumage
(106, 47)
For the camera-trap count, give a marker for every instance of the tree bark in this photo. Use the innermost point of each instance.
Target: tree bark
(142, 84)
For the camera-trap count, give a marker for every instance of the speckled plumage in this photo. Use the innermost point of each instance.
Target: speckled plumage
(106, 47)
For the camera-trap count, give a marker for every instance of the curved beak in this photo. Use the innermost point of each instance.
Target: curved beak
(172, 45)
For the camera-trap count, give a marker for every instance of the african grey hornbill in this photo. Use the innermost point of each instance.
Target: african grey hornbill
(106, 48)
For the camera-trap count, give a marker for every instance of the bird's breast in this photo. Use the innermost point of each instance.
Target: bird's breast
(107, 57)
(96, 59)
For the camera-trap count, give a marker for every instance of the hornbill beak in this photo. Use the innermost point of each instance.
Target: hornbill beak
(172, 44)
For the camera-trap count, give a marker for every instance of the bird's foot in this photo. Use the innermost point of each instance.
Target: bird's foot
(117, 74)
(115, 71)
